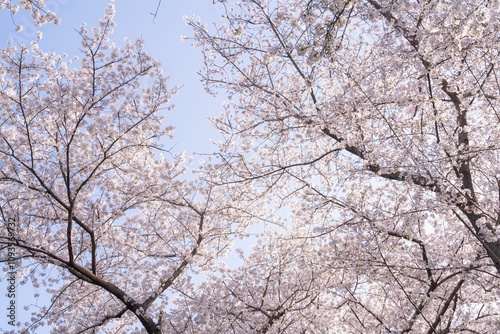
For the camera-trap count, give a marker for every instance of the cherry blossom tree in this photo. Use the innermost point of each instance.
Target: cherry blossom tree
(36, 8)
(373, 125)
(105, 218)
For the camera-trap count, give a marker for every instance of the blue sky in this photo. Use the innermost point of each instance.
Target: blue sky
(162, 39)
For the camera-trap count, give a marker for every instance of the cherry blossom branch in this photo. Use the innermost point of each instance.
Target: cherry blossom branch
(105, 319)
(444, 308)
(378, 170)
(178, 271)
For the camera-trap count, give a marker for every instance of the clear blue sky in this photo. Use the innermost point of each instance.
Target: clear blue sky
(162, 39)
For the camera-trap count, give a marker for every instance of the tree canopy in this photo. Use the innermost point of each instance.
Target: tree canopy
(376, 123)
(92, 190)
(360, 158)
